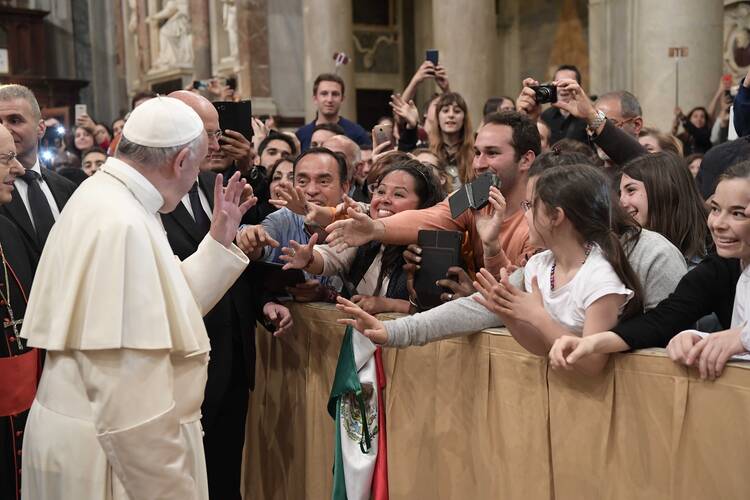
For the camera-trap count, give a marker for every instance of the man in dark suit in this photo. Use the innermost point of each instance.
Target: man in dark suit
(230, 325)
(40, 194)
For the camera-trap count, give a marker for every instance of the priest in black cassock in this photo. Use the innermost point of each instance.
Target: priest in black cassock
(19, 365)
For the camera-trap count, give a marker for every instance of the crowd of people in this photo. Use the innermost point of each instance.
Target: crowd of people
(603, 234)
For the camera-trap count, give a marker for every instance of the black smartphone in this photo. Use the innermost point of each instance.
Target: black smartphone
(235, 116)
(274, 278)
(441, 250)
(432, 56)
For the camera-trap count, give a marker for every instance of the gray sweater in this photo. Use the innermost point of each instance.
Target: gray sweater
(658, 264)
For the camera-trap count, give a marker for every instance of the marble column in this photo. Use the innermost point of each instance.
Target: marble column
(465, 35)
(628, 49)
(328, 29)
(695, 24)
(254, 73)
(199, 23)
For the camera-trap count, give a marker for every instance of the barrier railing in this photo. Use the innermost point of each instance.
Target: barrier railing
(478, 417)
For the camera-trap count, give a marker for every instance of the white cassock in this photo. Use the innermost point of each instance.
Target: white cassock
(117, 411)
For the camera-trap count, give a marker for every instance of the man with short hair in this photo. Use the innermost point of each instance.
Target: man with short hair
(328, 94)
(320, 177)
(561, 124)
(230, 325)
(39, 194)
(506, 146)
(274, 147)
(622, 109)
(92, 159)
(121, 320)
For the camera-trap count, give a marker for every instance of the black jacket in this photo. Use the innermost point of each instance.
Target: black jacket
(707, 288)
(62, 189)
(231, 322)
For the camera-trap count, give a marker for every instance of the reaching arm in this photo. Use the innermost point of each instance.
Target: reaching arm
(211, 270)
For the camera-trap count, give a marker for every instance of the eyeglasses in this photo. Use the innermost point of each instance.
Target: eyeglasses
(526, 205)
(621, 123)
(7, 158)
(216, 134)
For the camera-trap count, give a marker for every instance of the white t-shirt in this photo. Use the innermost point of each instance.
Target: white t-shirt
(741, 299)
(567, 304)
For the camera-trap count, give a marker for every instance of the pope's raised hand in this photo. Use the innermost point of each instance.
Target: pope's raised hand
(229, 208)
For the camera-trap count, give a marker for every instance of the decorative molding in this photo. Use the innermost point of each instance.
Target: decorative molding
(367, 55)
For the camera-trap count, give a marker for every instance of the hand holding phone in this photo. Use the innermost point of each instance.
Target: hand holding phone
(432, 55)
(383, 133)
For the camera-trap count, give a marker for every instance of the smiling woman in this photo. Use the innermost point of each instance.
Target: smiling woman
(661, 195)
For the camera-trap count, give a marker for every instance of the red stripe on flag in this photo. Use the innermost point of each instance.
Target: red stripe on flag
(380, 475)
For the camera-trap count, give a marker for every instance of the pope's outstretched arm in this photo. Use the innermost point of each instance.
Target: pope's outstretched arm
(217, 263)
(137, 426)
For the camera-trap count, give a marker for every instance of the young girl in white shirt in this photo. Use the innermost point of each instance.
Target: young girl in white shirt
(581, 284)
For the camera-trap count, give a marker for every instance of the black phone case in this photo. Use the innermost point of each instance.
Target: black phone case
(235, 116)
(441, 250)
(274, 278)
(473, 195)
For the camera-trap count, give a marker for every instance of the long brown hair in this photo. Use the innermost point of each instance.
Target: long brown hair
(465, 154)
(583, 193)
(675, 207)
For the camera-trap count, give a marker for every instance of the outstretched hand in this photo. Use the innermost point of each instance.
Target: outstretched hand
(298, 256)
(229, 208)
(368, 325)
(353, 232)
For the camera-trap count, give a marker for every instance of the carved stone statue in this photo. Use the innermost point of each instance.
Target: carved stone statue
(737, 39)
(230, 25)
(175, 36)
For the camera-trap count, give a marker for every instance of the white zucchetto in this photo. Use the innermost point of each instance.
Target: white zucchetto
(162, 122)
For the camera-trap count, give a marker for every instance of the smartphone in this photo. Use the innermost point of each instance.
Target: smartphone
(441, 250)
(383, 133)
(432, 56)
(200, 84)
(235, 116)
(80, 109)
(474, 195)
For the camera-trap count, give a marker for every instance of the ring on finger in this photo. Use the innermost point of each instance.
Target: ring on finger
(450, 296)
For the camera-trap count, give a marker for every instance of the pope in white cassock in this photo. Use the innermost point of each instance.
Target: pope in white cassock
(117, 411)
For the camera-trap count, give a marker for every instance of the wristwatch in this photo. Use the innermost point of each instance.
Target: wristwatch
(597, 122)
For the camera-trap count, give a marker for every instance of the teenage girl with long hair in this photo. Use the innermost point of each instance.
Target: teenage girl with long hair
(660, 193)
(582, 282)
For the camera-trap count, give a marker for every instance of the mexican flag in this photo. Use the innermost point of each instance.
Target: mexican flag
(360, 468)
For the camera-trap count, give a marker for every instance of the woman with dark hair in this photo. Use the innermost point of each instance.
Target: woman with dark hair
(710, 287)
(378, 283)
(696, 136)
(659, 192)
(453, 138)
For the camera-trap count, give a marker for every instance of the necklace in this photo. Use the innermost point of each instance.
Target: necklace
(11, 321)
(587, 250)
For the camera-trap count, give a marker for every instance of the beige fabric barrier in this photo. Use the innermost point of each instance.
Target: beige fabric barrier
(478, 417)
